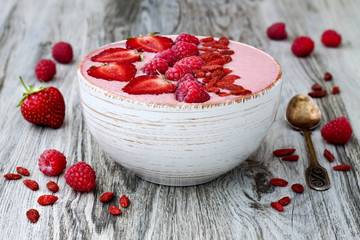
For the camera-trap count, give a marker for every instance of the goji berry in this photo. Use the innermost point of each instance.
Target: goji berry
(12, 176)
(218, 61)
(290, 158)
(227, 58)
(283, 151)
(316, 87)
(47, 199)
(106, 197)
(23, 171)
(210, 56)
(124, 201)
(33, 185)
(210, 43)
(229, 86)
(52, 186)
(219, 46)
(200, 74)
(298, 188)
(207, 39)
(207, 49)
(33, 215)
(222, 94)
(224, 41)
(318, 94)
(279, 182)
(114, 210)
(327, 76)
(284, 201)
(227, 52)
(335, 90)
(277, 206)
(218, 73)
(329, 156)
(209, 88)
(227, 71)
(211, 68)
(342, 167)
(229, 78)
(241, 92)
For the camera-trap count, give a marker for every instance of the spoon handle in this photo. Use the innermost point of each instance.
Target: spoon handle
(316, 175)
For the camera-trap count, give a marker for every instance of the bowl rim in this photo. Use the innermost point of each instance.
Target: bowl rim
(181, 104)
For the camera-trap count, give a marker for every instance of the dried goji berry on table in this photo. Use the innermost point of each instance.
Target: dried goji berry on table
(290, 158)
(279, 182)
(23, 171)
(47, 199)
(33, 215)
(329, 155)
(106, 197)
(327, 76)
(342, 167)
(52, 186)
(12, 176)
(277, 206)
(283, 152)
(335, 90)
(298, 188)
(33, 185)
(284, 201)
(316, 87)
(318, 94)
(124, 201)
(114, 210)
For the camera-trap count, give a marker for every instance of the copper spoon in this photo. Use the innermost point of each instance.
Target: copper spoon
(304, 115)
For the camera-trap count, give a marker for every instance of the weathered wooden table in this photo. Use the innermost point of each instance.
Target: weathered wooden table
(234, 206)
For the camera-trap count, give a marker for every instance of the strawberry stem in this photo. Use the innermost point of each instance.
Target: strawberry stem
(29, 92)
(22, 82)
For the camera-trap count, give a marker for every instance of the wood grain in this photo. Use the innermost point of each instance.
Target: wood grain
(234, 206)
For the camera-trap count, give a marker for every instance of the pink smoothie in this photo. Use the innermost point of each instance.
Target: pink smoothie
(257, 70)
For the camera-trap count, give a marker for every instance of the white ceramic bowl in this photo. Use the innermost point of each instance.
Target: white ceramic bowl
(178, 144)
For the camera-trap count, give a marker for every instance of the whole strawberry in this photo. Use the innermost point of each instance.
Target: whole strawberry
(43, 106)
(337, 131)
(81, 177)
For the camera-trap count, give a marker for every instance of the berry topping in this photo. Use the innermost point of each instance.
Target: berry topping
(81, 177)
(149, 43)
(169, 55)
(277, 31)
(191, 91)
(43, 106)
(45, 70)
(193, 62)
(149, 85)
(155, 66)
(124, 201)
(185, 49)
(122, 72)
(302, 46)
(331, 38)
(184, 37)
(177, 72)
(337, 131)
(62, 52)
(52, 162)
(117, 55)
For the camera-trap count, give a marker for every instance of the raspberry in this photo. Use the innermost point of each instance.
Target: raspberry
(331, 38)
(124, 201)
(45, 70)
(302, 46)
(80, 177)
(177, 72)
(277, 31)
(193, 62)
(33, 215)
(184, 37)
(62, 52)
(337, 131)
(169, 55)
(191, 91)
(154, 66)
(185, 49)
(52, 186)
(52, 162)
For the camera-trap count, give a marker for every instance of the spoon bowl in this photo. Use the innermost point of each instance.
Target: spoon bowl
(303, 114)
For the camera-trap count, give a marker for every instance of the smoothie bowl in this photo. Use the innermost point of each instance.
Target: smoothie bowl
(188, 126)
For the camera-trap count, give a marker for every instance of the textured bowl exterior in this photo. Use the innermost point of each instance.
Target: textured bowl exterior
(178, 145)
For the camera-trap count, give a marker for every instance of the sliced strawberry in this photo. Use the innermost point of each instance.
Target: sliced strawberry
(117, 55)
(149, 85)
(149, 43)
(122, 72)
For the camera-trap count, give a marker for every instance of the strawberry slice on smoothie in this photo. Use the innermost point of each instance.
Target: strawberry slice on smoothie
(122, 72)
(117, 55)
(149, 43)
(149, 85)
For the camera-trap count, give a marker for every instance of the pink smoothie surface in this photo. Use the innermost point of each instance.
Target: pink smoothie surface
(257, 70)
